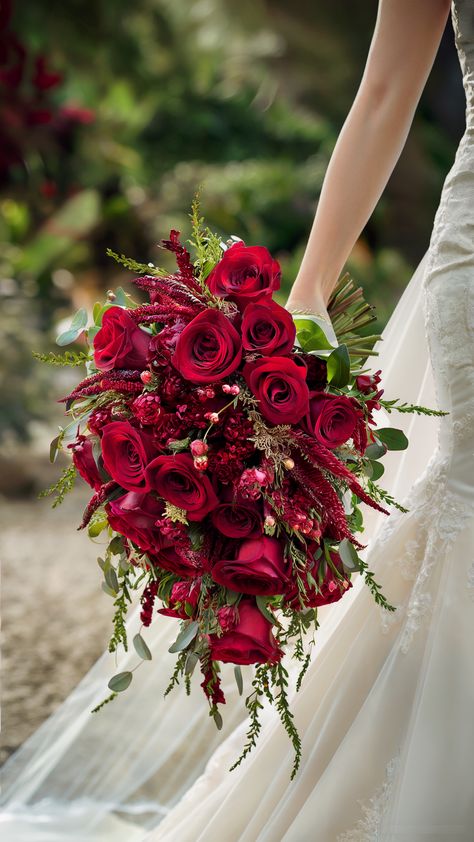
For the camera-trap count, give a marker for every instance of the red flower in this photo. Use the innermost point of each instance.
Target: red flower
(120, 343)
(245, 274)
(208, 349)
(179, 562)
(238, 519)
(250, 641)
(83, 458)
(126, 453)
(268, 329)
(134, 516)
(44, 79)
(329, 590)
(279, 383)
(176, 479)
(182, 593)
(331, 419)
(259, 568)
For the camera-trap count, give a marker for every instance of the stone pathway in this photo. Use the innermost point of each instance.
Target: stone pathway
(56, 618)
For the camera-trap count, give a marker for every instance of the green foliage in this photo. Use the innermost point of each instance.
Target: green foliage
(69, 358)
(62, 486)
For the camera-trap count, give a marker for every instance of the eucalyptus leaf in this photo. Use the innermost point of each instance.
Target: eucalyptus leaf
(185, 637)
(74, 330)
(141, 648)
(375, 451)
(96, 527)
(108, 590)
(111, 579)
(120, 682)
(218, 720)
(238, 679)
(232, 597)
(393, 438)
(191, 662)
(348, 555)
(339, 367)
(116, 545)
(377, 470)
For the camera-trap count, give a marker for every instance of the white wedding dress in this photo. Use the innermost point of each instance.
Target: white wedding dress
(386, 710)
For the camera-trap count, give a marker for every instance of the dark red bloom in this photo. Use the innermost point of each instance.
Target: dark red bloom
(83, 458)
(268, 328)
(251, 641)
(238, 519)
(331, 419)
(134, 515)
(208, 349)
(175, 478)
(245, 274)
(259, 568)
(279, 383)
(126, 452)
(120, 343)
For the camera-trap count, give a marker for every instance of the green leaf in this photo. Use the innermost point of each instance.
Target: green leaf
(348, 555)
(218, 720)
(310, 335)
(262, 606)
(377, 470)
(74, 330)
(238, 679)
(55, 447)
(232, 597)
(108, 590)
(375, 451)
(185, 637)
(120, 682)
(191, 662)
(141, 648)
(339, 367)
(116, 545)
(393, 438)
(96, 527)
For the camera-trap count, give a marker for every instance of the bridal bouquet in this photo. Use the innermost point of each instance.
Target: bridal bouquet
(229, 446)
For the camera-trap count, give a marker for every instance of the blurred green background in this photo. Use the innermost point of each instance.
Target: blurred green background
(113, 113)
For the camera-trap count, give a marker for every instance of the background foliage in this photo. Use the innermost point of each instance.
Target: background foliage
(111, 120)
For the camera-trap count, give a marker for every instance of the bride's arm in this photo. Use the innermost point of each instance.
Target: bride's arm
(404, 44)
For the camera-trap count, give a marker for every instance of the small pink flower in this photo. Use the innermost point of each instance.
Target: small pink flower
(212, 417)
(145, 377)
(201, 463)
(198, 447)
(227, 616)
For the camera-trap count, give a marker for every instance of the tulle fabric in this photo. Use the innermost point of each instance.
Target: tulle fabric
(114, 774)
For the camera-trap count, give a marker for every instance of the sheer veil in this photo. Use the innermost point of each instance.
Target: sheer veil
(113, 774)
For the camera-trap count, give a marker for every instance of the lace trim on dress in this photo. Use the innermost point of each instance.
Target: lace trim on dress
(368, 828)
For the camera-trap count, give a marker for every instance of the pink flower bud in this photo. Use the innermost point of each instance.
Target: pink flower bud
(332, 586)
(201, 463)
(226, 388)
(210, 392)
(198, 447)
(212, 417)
(235, 390)
(270, 521)
(145, 377)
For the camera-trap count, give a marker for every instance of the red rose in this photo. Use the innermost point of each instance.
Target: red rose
(126, 453)
(245, 274)
(259, 568)
(83, 458)
(238, 519)
(134, 516)
(120, 343)
(331, 419)
(250, 641)
(208, 349)
(175, 478)
(279, 383)
(268, 329)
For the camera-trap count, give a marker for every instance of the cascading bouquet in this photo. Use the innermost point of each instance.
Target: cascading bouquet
(229, 446)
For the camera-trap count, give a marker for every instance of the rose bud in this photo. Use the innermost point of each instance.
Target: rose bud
(198, 447)
(201, 463)
(145, 377)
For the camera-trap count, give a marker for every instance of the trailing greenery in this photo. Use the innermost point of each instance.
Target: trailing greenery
(69, 358)
(410, 407)
(381, 495)
(63, 486)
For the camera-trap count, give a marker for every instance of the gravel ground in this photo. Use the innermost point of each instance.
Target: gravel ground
(56, 619)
